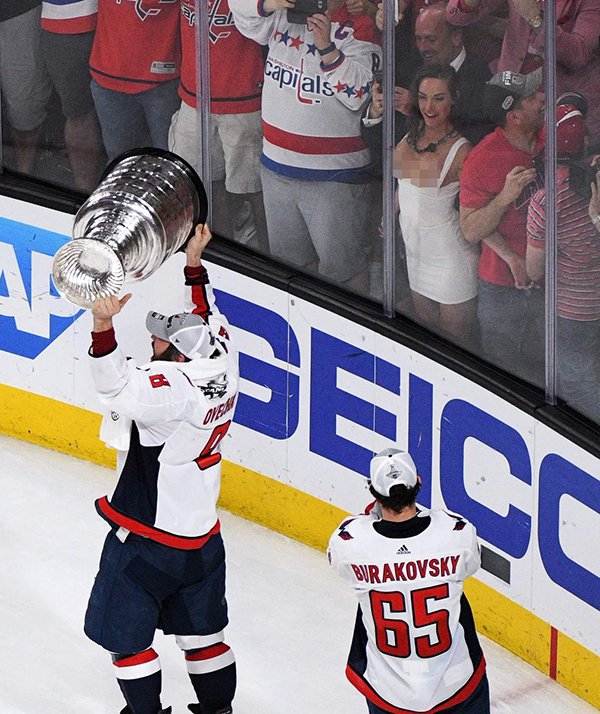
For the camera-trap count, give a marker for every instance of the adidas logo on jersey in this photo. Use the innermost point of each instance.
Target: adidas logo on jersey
(403, 551)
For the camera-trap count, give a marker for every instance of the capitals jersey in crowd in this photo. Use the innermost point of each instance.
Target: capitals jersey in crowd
(415, 647)
(236, 63)
(167, 421)
(69, 17)
(311, 112)
(137, 44)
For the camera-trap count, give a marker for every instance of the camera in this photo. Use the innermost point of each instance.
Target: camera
(303, 9)
(581, 176)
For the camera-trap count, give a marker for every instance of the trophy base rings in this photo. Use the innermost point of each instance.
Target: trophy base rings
(87, 269)
(144, 209)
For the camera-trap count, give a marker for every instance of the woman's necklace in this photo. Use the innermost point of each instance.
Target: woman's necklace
(430, 147)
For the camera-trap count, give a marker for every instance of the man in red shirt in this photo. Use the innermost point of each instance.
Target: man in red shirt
(577, 262)
(497, 182)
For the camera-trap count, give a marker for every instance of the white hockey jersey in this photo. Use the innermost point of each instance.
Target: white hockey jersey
(168, 420)
(415, 647)
(311, 113)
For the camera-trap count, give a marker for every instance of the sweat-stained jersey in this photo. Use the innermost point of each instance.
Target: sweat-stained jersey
(69, 17)
(311, 113)
(167, 421)
(414, 646)
(137, 45)
(236, 63)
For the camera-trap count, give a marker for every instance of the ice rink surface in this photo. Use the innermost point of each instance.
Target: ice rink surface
(291, 617)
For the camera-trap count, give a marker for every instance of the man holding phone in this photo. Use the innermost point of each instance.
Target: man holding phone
(318, 77)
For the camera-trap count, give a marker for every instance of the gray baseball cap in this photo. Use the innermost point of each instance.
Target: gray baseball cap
(188, 332)
(505, 89)
(392, 467)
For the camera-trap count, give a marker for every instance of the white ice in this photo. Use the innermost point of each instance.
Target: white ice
(291, 617)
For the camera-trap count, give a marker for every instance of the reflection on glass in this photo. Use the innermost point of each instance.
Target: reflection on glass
(314, 171)
(49, 125)
(236, 78)
(578, 257)
(442, 266)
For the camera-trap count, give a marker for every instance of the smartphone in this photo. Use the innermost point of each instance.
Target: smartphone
(378, 77)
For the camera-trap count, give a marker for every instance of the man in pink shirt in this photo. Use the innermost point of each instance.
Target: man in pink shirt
(523, 49)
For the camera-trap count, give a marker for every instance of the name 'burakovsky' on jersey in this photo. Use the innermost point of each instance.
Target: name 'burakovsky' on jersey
(312, 112)
(415, 647)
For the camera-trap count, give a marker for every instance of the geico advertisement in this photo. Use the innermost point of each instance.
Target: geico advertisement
(319, 395)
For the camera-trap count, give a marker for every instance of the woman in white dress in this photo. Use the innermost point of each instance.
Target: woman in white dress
(442, 266)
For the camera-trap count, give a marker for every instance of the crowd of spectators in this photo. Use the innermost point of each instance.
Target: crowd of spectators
(296, 137)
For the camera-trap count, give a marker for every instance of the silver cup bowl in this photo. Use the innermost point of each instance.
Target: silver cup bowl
(145, 208)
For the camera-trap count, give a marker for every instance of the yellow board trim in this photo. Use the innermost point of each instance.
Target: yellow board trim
(298, 515)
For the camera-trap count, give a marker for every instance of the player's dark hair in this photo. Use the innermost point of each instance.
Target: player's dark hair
(171, 353)
(432, 71)
(400, 497)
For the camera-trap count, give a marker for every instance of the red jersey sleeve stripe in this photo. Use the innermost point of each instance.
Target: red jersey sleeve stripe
(312, 144)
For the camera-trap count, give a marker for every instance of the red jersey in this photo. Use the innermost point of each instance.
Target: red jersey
(482, 179)
(236, 62)
(69, 17)
(136, 46)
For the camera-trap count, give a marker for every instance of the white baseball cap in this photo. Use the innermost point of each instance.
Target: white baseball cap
(188, 332)
(392, 467)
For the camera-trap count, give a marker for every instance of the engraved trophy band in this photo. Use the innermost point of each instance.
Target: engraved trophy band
(144, 209)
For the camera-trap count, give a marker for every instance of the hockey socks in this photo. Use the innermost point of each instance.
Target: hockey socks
(139, 678)
(213, 675)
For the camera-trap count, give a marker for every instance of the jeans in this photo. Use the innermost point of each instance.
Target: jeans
(512, 329)
(127, 119)
(578, 365)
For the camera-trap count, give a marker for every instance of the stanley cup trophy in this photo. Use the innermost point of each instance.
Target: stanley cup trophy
(145, 208)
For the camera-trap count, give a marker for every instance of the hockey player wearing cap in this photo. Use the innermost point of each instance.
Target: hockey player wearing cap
(163, 563)
(415, 648)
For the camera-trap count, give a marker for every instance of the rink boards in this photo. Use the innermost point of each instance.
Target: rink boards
(319, 395)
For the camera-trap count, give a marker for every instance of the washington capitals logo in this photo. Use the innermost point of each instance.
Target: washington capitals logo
(215, 389)
(217, 20)
(144, 12)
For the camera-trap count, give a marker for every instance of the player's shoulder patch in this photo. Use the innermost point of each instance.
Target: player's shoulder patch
(342, 532)
(459, 521)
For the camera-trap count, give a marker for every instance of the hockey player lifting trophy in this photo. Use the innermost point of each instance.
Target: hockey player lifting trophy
(144, 209)
(163, 561)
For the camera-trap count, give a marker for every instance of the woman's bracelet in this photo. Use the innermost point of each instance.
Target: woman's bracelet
(596, 220)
